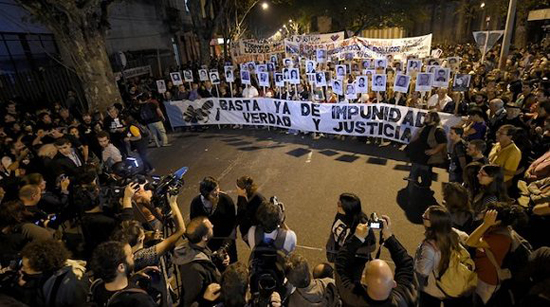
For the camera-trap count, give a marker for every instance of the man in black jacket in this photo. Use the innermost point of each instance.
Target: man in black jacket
(68, 160)
(378, 286)
(220, 210)
(194, 258)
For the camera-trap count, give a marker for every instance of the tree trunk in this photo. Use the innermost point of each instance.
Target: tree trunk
(93, 68)
(204, 48)
(461, 21)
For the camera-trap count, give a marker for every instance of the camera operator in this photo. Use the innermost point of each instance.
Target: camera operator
(113, 263)
(16, 231)
(30, 196)
(133, 232)
(234, 291)
(50, 201)
(98, 221)
(43, 263)
(378, 286)
(196, 262)
(308, 291)
(147, 213)
(219, 208)
(269, 230)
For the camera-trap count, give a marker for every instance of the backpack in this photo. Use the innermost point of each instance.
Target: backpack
(65, 288)
(516, 258)
(147, 114)
(267, 262)
(115, 298)
(510, 291)
(460, 277)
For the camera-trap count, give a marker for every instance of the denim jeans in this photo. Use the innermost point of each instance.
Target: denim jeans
(158, 132)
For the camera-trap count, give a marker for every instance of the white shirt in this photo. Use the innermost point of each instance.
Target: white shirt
(290, 241)
(434, 100)
(250, 92)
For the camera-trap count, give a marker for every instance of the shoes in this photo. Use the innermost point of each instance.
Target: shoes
(167, 145)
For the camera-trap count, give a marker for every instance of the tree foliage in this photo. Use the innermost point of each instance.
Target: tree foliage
(80, 27)
(357, 15)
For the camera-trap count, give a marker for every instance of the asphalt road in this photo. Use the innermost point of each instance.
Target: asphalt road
(307, 175)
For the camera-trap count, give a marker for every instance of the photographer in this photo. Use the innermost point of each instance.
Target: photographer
(50, 201)
(378, 285)
(308, 291)
(113, 263)
(43, 263)
(16, 231)
(348, 215)
(219, 208)
(234, 290)
(133, 232)
(196, 263)
(269, 230)
(99, 222)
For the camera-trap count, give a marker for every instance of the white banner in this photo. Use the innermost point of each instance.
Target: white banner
(396, 123)
(317, 38)
(359, 47)
(250, 50)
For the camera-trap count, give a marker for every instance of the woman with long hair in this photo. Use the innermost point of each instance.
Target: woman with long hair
(457, 201)
(493, 189)
(248, 202)
(471, 183)
(349, 214)
(433, 256)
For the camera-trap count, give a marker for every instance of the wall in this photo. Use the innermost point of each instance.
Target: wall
(137, 25)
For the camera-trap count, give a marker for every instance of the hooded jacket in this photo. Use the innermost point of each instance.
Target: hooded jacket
(313, 295)
(197, 271)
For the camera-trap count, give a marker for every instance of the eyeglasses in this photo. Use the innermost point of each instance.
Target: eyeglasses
(483, 174)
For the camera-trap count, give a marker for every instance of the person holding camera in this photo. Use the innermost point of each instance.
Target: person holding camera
(307, 290)
(113, 265)
(378, 286)
(197, 262)
(43, 265)
(99, 220)
(234, 290)
(271, 229)
(219, 208)
(133, 232)
(349, 214)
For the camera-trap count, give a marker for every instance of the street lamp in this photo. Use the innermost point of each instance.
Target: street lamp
(265, 6)
(482, 5)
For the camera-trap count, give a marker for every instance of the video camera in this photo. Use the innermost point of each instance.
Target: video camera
(166, 185)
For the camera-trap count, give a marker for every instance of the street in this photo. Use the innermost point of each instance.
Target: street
(306, 175)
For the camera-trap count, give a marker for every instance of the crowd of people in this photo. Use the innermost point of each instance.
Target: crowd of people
(83, 224)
